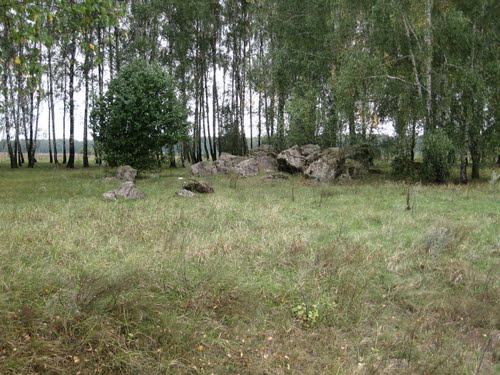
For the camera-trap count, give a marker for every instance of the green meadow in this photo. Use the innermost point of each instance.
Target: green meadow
(261, 277)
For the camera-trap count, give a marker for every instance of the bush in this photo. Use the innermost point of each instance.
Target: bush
(437, 156)
(137, 117)
(402, 164)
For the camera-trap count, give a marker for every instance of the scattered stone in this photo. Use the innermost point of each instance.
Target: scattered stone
(198, 186)
(203, 168)
(129, 191)
(110, 195)
(247, 168)
(126, 173)
(227, 162)
(291, 160)
(185, 193)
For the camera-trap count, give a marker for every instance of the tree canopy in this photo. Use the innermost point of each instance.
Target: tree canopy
(138, 116)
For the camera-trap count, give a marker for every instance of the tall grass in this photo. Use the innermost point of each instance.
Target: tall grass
(216, 283)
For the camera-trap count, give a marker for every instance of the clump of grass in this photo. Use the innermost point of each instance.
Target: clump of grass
(233, 177)
(442, 238)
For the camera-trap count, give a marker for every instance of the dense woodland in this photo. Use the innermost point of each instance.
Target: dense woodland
(264, 71)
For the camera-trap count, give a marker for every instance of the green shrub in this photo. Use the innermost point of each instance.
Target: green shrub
(437, 156)
(137, 117)
(402, 164)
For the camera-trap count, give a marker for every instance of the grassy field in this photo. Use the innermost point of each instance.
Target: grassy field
(261, 277)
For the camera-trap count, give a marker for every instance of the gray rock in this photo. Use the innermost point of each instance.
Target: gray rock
(129, 191)
(184, 193)
(328, 167)
(267, 163)
(126, 173)
(203, 168)
(311, 153)
(291, 160)
(227, 162)
(247, 168)
(198, 186)
(110, 195)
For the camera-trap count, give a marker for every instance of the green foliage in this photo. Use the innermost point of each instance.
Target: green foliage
(138, 116)
(302, 111)
(402, 164)
(307, 314)
(438, 156)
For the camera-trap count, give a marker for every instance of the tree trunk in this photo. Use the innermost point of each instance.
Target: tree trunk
(49, 119)
(117, 49)
(463, 169)
(215, 100)
(37, 121)
(30, 147)
(71, 159)
(428, 39)
(203, 116)
(20, 154)
(100, 66)
(476, 159)
(352, 126)
(171, 153)
(65, 106)
(281, 121)
(5, 90)
(86, 111)
(259, 123)
(52, 109)
(413, 140)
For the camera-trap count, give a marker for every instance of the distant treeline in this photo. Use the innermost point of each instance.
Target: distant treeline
(43, 146)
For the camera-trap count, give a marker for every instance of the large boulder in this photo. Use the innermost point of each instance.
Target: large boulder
(328, 167)
(247, 168)
(266, 158)
(227, 162)
(267, 163)
(291, 160)
(311, 153)
(203, 168)
(198, 187)
(126, 173)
